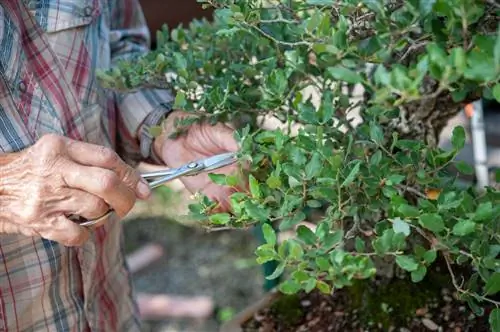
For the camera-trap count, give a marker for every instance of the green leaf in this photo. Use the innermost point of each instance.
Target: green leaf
(458, 137)
(155, 131)
(291, 221)
(273, 182)
(464, 167)
(433, 222)
(419, 274)
(425, 6)
(323, 287)
(484, 212)
(359, 244)
(289, 287)
(494, 320)
(314, 166)
(254, 186)
(492, 284)
(319, 2)
(496, 50)
(269, 234)
(407, 263)
(180, 100)
(401, 226)
(376, 133)
(344, 74)
(496, 92)
(219, 179)
(464, 227)
(352, 174)
(306, 235)
(408, 211)
(430, 256)
(395, 179)
(220, 218)
(278, 271)
(256, 212)
(298, 156)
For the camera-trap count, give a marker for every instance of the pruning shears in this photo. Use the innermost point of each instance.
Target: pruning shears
(158, 178)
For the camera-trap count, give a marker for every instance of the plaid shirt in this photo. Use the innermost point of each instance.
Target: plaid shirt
(49, 52)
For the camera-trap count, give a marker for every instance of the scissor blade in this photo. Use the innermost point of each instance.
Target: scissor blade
(219, 161)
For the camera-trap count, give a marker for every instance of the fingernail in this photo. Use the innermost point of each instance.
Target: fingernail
(143, 189)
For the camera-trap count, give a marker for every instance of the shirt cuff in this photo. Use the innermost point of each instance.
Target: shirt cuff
(154, 119)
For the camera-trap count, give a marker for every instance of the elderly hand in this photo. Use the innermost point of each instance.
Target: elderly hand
(200, 141)
(57, 177)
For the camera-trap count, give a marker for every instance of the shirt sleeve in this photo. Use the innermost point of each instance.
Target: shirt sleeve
(130, 38)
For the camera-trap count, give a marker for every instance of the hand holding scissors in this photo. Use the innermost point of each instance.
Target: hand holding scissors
(158, 178)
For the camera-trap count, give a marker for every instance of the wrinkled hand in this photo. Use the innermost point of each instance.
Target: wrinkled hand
(201, 141)
(57, 177)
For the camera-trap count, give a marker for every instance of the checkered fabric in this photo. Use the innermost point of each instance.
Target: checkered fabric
(49, 53)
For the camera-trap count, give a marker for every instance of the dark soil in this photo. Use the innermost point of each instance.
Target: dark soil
(218, 264)
(399, 306)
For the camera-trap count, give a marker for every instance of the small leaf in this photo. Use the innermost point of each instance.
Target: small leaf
(344, 74)
(269, 234)
(484, 212)
(352, 174)
(155, 131)
(289, 287)
(496, 92)
(180, 100)
(492, 284)
(430, 256)
(494, 320)
(407, 263)
(464, 227)
(314, 166)
(306, 235)
(323, 287)
(219, 179)
(401, 226)
(254, 186)
(458, 137)
(408, 211)
(278, 271)
(464, 167)
(220, 218)
(425, 6)
(273, 182)
(291, 221)
(376, 133)
(419, 274)
(433, 222)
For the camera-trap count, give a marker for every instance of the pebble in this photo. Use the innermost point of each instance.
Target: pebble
(306, 303)
(421, 311)
(447, 298)
(404, 329)
(430, 324)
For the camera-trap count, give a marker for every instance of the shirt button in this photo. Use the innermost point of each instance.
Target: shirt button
(88, 10)
(22, 86)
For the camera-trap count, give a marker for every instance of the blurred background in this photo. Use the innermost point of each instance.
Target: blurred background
(216, 272)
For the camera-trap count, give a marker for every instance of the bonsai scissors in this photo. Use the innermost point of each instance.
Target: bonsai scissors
(158, 178)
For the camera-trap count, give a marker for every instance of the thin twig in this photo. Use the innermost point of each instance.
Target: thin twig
(411, 190)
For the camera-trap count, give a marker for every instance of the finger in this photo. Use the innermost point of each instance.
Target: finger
(83, 204)
(99, 156)
(66, 232)
(102, 183)
(224, 138)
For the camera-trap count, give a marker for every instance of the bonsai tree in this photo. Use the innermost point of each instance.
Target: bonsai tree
(363, 90)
